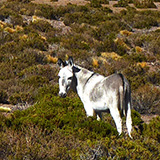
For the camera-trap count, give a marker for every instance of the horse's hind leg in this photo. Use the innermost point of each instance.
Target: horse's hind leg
(129, 121)
(117, 119)
(99, 116)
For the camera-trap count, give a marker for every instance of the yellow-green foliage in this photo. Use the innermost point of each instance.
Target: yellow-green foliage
(9, 30)
(52, 59)
(112, 55)
(142, 64)
(125, 33)
(4, 109)
(122, 43)
(138, 49)
(95, 62)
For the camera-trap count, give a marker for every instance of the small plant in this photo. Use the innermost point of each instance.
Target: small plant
(95, 62)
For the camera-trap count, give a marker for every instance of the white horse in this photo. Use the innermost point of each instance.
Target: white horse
(98, 93)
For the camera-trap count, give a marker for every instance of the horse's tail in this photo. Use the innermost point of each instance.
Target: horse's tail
(125, 102)
(125, 96)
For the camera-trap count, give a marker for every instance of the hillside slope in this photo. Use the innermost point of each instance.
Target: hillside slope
(42, 125)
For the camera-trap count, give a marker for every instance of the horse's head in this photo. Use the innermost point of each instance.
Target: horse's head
(65, 76)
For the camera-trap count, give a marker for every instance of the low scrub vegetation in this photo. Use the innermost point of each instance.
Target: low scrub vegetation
(33, 37)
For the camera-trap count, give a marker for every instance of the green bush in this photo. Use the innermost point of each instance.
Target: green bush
(20, 98)
(17, 20)
(141, 21)
(144, 4)
(3, 96)
(136, 76)
(121, 3)
(75, 42)
(65, 114)
(42, 26)
(136, 118)
(95, 3)
(154, 78)
(35, 80)
(152, 132)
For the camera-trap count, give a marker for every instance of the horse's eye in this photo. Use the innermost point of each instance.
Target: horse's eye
(70, 78)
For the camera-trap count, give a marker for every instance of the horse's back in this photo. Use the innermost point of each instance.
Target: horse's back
(113, 82)
(106, 87)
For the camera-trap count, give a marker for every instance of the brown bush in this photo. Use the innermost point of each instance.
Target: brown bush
(146, 99)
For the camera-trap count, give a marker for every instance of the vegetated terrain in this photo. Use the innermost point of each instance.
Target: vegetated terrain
(41, 125)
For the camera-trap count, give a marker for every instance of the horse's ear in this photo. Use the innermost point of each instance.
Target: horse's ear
(70, 61)
(60, 63)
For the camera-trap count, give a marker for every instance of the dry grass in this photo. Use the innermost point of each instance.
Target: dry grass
(112, 55)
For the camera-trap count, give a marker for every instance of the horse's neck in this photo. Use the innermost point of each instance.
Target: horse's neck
(82, 77)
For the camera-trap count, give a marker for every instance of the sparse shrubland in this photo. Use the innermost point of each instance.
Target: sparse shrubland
(32, 36)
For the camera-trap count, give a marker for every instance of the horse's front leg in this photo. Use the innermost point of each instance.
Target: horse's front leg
(89, 110)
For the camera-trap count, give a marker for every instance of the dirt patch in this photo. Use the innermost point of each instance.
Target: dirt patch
(148, 118)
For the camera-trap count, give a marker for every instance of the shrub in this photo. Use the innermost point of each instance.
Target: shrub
(83, 17)
(6, 71)
(75, 42)
(121, 3)
(3, 96)
(21, 97)
(148, 129)
(95, 3)
(144, 4)
(137, 57)
(17, 20)
(136, 76)
(66, 115)
(34, 41)
(154, 77)
(146, 99)
(42, 26)
(46, 11)
(136, 118)
(35, 80)
(36, 143)
(145, 21)
(23, 1)
(6, 12)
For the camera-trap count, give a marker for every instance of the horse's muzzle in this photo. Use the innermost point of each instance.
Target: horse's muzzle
(63, 95)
